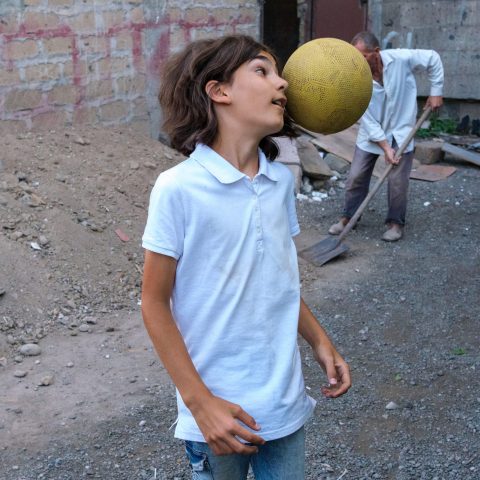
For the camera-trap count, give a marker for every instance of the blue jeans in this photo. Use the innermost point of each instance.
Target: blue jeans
(281, 459)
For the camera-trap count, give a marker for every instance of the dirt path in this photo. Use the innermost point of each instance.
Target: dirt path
(404, 315)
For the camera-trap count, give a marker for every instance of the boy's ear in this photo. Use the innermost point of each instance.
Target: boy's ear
(217, 92)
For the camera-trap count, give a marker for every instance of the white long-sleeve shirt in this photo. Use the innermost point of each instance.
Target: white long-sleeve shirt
(392, 110)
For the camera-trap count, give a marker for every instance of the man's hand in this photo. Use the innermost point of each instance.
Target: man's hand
(390, 155)
(337, 370)
(388, 152)
(218, 421)
(434, 102)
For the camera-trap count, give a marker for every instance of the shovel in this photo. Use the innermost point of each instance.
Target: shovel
(331, 247)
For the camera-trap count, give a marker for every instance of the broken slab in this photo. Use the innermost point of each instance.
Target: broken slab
(461, 153)
(429, 151)
(289, 156)
(341, 144)
(313, 165)
(336, 163)
(432, 173)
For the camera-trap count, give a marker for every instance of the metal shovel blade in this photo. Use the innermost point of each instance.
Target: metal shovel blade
(323, 251)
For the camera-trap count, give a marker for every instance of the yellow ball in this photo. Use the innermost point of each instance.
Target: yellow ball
(329, 85)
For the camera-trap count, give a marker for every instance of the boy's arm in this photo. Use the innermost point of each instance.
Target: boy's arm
(335, 367)
(216, 418)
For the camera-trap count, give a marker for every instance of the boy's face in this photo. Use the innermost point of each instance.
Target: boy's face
(257, 95)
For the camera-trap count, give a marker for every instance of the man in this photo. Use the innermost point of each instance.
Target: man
(389, 118)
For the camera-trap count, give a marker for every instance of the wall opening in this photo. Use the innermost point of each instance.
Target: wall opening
(280, 27)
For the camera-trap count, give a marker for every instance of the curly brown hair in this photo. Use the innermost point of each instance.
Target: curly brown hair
(188, 114)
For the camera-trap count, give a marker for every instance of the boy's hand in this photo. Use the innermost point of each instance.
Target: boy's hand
(218, 421)
(337, 370)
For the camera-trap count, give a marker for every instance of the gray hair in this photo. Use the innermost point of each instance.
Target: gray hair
(368, 39)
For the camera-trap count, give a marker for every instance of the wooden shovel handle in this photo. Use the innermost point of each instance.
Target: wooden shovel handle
(351, 223)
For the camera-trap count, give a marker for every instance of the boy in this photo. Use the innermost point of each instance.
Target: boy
(221, 294)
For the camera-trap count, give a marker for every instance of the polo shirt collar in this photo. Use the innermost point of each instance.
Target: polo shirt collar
(223, 170)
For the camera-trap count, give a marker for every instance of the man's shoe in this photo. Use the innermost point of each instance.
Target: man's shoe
(337, 228)
(394, 233)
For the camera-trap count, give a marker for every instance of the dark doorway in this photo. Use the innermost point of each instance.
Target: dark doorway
(339, 19)
(280, 27)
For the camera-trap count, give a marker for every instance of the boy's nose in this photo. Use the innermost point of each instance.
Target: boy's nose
(283, 84)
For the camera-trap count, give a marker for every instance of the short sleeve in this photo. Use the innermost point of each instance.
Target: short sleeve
(164, 231)
(292, 212)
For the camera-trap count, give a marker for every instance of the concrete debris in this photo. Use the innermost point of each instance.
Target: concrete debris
(337, 163)
(313, 165)
(289, 157)
(461, 153)
(428, 152)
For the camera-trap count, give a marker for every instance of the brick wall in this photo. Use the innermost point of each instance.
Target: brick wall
(98, 61)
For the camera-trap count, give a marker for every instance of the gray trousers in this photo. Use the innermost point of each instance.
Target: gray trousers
(358, 183)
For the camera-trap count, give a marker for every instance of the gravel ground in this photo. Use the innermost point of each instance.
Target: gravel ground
(404, 315)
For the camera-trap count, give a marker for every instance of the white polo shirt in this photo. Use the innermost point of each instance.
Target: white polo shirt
(236, 297)
(392, 111)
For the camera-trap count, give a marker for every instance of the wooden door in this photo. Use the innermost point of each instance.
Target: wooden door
(338, 18)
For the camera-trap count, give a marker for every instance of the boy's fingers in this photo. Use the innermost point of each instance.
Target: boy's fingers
(338, 388)
(248, 436)
(247, 419)
(240, 448)
(331, 372)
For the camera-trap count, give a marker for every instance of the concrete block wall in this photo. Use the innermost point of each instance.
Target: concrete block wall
(448, 26)
(98, 61)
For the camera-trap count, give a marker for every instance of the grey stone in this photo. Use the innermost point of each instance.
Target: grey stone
(392, 406)
(429, 152)
(313, 164)
(30, 350)
(46, 380)
(337, 163)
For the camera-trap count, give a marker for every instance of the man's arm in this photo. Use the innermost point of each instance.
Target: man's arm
(338, 373)
(373, 128)
(216, 418)
(430, 61)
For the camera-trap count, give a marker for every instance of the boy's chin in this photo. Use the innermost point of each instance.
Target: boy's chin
(275, 130)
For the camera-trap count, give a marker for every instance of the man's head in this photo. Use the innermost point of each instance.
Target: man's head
(368, 45)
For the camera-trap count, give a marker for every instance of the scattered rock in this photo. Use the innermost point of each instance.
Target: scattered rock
(46, 380)
(30, 350)
(392, 406)
(19, 373)
(43, 240)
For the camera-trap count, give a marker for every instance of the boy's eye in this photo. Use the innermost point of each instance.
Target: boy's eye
(260, 70)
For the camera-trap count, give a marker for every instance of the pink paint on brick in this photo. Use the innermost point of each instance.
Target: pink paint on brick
(137, 50)
(161, 29)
